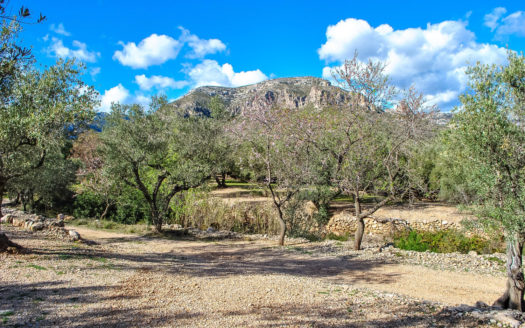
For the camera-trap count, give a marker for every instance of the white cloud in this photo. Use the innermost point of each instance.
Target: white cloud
(59, 29)
(117, 94)
(153, 50)
(200, 47)
(209, 72)
(158, 82)
(512, 24)
(57, 49)
(491, 19)
(432, 58)
(94, 72)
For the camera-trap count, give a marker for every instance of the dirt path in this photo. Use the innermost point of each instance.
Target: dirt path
(125, 280)
(237, 258)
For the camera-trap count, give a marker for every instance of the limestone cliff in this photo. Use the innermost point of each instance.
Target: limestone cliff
(296, 92)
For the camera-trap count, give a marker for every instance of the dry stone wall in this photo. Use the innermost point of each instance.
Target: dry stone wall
(345, 223)
(53, 227)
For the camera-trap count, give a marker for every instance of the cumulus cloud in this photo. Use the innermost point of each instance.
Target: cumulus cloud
(158, 82)
(432, 58)
(209, 72)
(59, 29)
(153, 50)
(117, 94)
(200, 47)
(58, 49)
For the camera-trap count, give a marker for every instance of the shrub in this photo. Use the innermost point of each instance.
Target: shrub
(445, 241)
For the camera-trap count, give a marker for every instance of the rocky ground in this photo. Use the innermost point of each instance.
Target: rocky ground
(120, 280)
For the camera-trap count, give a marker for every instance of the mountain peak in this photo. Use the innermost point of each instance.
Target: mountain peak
(290, 92)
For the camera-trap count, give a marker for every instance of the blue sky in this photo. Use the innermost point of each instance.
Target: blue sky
(136, 49)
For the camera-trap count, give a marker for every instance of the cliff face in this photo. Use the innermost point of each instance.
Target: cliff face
(294, 92)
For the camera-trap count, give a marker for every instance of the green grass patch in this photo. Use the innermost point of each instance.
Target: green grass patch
(333, 236)
(38, 267)
(445, 241)
(5, 316)
(100, 259)
(495, 259)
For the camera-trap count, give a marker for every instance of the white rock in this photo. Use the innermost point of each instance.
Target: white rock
(37, 226)
(74, 235)
(506, 319)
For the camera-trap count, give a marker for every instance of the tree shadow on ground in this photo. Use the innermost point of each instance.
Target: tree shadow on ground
(341, 314)
(37, 304)
(222, 259)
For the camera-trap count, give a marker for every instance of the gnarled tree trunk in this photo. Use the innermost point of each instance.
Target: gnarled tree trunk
(2, 190)
(360, 231)
(282, 227)
(513, 296)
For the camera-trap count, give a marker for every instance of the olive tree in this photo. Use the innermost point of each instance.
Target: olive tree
(487, 142)
(157, 154)
(38, 115)
(282, 163)
(367, 142)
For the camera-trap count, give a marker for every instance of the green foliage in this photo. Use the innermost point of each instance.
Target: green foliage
(154, 154)
(445, 241)
(484, 161)
(332, 236)
(130, 207)
(39, 111)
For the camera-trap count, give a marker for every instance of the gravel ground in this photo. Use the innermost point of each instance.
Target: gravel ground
(121, 280)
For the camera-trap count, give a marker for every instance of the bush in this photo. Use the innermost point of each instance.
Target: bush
(445, 241)
(130, 207)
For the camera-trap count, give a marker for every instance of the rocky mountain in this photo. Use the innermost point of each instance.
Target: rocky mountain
(295, 92)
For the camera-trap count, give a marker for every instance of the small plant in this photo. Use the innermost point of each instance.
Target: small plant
(34, 266)
(5, 316)
(495, 259)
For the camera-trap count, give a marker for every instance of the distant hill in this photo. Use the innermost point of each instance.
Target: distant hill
(294, 92)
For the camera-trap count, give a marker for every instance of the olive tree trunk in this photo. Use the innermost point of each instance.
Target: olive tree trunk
(360, 231)
(282, 227)
(2, 190)
(513, 296)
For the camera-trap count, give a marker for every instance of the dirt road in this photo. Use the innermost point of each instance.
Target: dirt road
(128, 280)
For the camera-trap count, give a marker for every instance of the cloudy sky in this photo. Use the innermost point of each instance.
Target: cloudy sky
(133, 50)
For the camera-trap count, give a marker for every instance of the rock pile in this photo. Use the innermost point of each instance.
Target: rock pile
(53, 227)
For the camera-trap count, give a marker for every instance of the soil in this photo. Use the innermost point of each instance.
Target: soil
(122, 280)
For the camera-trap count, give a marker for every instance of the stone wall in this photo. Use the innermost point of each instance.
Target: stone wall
(344, 223)
(53, 227)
